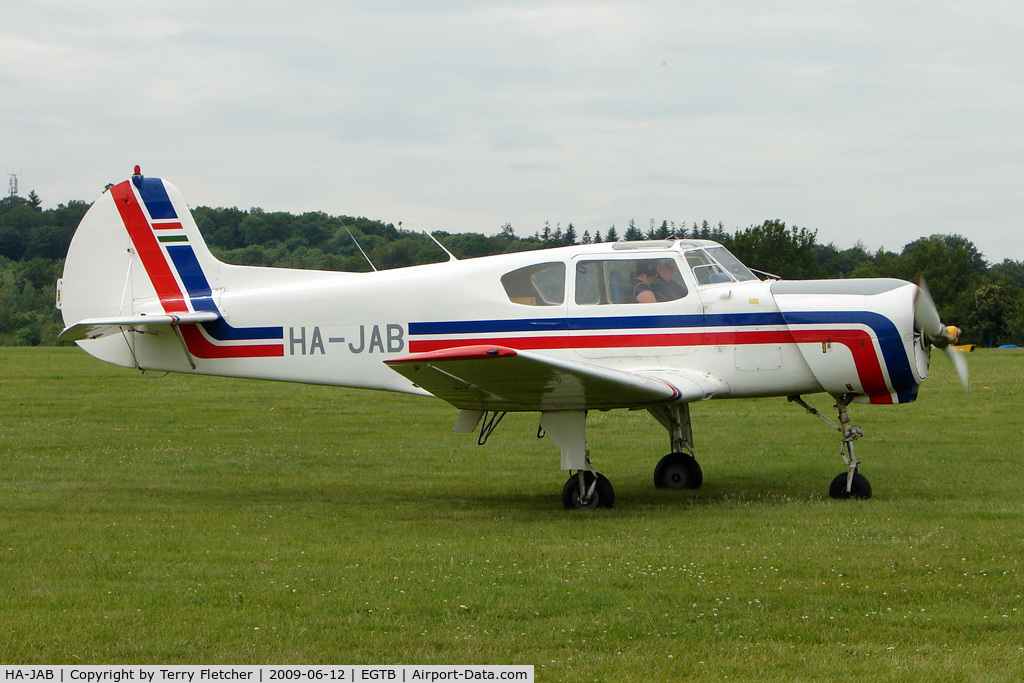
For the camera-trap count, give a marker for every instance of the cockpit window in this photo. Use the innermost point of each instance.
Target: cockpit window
(542, 284)
(732, 265)
(622, 281)
(716, 264)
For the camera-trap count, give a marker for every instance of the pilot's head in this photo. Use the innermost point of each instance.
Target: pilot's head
(647, 270)
(667, 269)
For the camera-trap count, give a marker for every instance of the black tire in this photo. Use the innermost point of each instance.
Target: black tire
(604, 494)
(678, 471)
(861, 488)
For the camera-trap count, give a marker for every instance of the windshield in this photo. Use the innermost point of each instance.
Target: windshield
(716, 264)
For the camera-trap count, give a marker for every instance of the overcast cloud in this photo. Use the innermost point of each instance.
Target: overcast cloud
(874, 121)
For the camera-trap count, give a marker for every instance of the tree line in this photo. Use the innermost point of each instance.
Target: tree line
(985, 299)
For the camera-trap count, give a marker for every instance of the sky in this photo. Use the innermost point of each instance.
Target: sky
(874, 122)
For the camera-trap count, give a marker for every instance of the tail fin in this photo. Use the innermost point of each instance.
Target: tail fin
(138, 260)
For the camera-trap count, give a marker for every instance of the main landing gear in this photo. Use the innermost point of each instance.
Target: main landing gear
(679, 469)
(851, 483)
(587, 488)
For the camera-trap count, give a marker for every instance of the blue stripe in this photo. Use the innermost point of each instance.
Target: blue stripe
(201, 296)
(190, 272)
(908, 396)
(634, 322)
(154, 196)
(642, 322)
(744, 319)
(484, 326)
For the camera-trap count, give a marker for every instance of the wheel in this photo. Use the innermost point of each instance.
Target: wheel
(861, 487)
(604, 494)
(678, 471)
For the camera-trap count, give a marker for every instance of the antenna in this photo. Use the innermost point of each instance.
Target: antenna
(451, 256)
(360, 249)
(12, 185)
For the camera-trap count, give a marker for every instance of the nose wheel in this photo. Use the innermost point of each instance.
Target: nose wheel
(860, 487)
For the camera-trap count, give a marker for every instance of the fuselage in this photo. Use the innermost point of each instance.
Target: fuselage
(855, 337)
(684, 306)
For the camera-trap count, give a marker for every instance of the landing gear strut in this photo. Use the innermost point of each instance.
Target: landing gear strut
(585, 488)
(849, 484)
(679, 469)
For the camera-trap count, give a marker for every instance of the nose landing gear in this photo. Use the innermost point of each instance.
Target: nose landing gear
(849, 484)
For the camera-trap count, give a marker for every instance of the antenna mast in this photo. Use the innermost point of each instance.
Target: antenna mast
(360, 249)
(12, 185)
(451, 256)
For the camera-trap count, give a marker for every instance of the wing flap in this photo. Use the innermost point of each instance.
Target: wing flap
(93, 328)
(500, 378)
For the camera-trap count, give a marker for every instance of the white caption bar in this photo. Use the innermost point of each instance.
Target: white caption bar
(262, 674)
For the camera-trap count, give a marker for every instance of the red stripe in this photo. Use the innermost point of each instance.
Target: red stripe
(200, 347)
(859, 342)
(148, 248)
(869, 370)
(167, 226)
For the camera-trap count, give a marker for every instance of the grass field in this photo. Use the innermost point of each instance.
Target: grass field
(204, 520)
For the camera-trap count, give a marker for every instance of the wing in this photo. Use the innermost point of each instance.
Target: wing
(500, 378)
(92, 328)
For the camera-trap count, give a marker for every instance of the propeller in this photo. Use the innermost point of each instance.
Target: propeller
(926, 315)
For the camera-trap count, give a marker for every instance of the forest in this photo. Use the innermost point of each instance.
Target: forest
(985, 299)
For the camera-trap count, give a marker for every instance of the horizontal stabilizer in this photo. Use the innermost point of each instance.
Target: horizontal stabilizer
(486, 377)
(94, 328)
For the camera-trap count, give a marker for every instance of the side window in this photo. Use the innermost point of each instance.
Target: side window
(669, 284)
(542, 284)
(588, 284)
(620, 281)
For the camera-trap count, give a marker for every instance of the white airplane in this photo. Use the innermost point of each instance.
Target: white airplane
(654, 325)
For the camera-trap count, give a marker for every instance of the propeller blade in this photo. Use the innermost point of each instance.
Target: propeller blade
(926, 315)
(960, 365)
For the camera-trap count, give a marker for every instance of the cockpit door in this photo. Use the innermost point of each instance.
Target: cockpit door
(607, 314)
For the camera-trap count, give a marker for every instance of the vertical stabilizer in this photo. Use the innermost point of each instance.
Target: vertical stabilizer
(137, 252)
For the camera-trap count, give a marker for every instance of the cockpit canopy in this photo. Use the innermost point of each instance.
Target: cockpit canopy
(624, 277)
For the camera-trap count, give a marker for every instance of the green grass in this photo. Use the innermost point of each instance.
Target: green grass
(204, 520)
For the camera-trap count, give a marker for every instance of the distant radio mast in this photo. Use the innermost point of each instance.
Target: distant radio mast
(12, 186)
